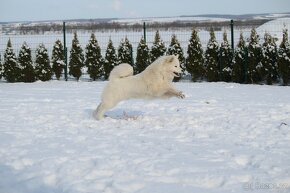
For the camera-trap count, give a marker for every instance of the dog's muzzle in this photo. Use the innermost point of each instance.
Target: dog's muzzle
(176, 74)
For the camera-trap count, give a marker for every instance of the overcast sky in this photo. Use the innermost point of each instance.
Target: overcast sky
(37, 10)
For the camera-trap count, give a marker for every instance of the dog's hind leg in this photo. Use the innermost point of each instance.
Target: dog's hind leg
(99, 112)
(101, 109)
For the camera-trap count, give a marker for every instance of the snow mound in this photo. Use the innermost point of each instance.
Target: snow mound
(275, 28)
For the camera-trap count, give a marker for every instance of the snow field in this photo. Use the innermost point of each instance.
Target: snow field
(220, 138)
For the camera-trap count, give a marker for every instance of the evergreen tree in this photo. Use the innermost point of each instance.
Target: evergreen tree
(195, 59)
(11, 70)
(1, 67)
(111, 59)
(175, 49)
(254, 58)
(94, 60)
(125, 52)
(142, 58)
(239, 61)
(225, 59)
(43, 70)
(25, 63)
(284, 58)
(57, 59)
(158, 48)
(76, 62)
(211, 58)
(269, 60)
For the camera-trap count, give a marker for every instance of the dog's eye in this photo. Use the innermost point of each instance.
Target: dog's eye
(175, 66)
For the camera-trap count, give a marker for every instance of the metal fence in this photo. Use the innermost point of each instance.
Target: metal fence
(232, 28)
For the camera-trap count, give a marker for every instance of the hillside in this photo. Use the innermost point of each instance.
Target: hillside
(201, 21)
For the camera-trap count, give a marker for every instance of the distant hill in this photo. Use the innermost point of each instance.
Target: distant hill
(177, 18)
(244, 16)
(217, 21)
(204, 17)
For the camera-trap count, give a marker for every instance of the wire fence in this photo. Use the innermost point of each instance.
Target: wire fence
(48, 38)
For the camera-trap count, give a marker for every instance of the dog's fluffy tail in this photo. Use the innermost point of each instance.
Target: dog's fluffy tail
(121, 71)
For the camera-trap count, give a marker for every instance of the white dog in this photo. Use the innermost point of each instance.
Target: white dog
(154, 82)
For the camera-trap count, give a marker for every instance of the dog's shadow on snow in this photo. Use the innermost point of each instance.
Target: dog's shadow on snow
(119, 114)
(123, 114)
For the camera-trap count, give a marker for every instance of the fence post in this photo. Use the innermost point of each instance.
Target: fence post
(132, 59)
(220, 66)
(64, 52)
(144, 31)
(232, 34)
(245, 69)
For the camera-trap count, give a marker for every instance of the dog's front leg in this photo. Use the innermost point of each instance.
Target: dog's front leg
(172, 92)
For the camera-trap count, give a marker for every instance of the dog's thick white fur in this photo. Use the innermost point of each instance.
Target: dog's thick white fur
(154, 82)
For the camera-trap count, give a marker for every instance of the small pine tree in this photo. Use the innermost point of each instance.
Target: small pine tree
(225, 60)
(25, 63)
(175, 49)
(195, 59)
(142, 58)
(111, 59)
(254, 58)
(212, 59)
(11, 69)
(239, 61)
(76, 62)
(158, 48)
(43, 70)
(94, 60)
(269, 60)
(125, 52)
(284, 58)
(57, 59)
(1, 68)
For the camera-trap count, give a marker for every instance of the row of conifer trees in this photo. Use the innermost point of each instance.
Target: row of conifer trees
(250, 62)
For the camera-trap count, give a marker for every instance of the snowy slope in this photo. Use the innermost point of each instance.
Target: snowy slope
(132, 21)
(220, 138)
(275, 28)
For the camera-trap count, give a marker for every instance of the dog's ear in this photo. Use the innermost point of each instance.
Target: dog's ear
(170, 58)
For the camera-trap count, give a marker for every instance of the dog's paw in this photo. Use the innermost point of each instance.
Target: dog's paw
(181, 95)
(97, 116)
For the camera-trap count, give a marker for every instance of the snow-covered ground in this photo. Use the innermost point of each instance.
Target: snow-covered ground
(220, 138)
